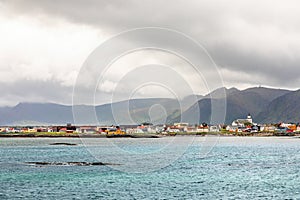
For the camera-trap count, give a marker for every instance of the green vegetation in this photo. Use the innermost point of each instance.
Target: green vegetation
(41, 134)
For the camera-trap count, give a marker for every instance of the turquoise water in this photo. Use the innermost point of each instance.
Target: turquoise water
(236, 168)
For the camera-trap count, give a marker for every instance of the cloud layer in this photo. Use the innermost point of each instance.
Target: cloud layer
(45, 42)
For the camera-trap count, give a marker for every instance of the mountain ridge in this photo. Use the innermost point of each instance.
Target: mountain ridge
(264, 104)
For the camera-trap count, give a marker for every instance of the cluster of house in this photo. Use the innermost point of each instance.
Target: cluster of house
(129, 129)
(247, 125)
(238, 125)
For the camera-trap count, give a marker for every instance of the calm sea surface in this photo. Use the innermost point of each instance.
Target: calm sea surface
(236, 168)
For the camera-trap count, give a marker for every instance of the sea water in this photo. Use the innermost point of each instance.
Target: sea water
(235, 168)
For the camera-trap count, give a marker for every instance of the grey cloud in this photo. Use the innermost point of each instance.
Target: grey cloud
(277, 69)
(258, 38)
(35, 91)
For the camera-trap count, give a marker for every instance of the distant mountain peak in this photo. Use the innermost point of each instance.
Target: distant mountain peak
(264, 104)
(221, 92)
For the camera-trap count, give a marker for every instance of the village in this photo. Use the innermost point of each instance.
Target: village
(241, 127)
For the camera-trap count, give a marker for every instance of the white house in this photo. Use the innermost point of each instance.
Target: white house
(241, 122)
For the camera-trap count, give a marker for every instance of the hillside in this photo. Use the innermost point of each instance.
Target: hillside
(284, 108)
(238, 103)
(50, 113)
(264, 104)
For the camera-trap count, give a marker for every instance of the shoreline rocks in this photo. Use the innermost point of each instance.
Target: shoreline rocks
(63, 143)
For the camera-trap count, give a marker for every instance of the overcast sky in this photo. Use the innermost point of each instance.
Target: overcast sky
(44, 43)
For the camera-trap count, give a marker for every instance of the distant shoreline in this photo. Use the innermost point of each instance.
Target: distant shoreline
(79, 136)
(139, 135)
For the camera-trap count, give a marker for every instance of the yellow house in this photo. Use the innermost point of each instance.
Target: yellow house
(30, 130)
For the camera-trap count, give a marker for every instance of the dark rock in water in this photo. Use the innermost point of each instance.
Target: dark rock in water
(63, 143)
(69, 163)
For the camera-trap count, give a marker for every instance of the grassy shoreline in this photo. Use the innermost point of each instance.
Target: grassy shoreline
(145, 135)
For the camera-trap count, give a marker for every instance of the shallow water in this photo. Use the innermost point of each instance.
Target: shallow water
(236, 168)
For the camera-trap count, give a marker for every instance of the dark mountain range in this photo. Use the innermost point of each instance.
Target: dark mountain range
(284, 108)
(220, 92)
(238, 103)
(137, 111)
(49, 113)
(264, 104)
